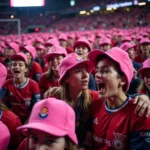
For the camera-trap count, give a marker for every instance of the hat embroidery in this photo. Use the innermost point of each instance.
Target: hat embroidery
(44, 113)
(79, 58)
(53, 50)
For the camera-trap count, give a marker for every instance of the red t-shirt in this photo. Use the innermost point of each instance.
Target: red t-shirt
(45, 83)
(12, 121)
(21, 98)
(35, 71)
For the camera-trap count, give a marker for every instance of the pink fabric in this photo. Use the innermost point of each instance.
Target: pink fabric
(53, 116)
(146, 65)
(71, 61)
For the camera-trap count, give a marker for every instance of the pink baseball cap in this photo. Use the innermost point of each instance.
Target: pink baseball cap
(55, 50)
(52, 42)
(5, 136)
(127, 45)
(30, 49)
(120, 57)
(104, 41)
(82, 41)
(63, 37)
(71, 61)
(146, 65)
(20, 56)
(144, 41)
(3, 74)
(14, 46)
(53, 116)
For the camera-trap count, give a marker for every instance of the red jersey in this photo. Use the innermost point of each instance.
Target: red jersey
(45, 83)
(21, 98)
(12, 121)
(35, 71)
(119, 128)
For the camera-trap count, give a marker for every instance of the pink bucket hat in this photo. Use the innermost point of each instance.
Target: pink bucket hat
(3, 74)
(52, 42)
(14, 46)
(55, 50)
(146, 65)
(21, 56)
(144, 41)
(126, 46)
(104, 41)
(53, 116)
(82, 41)
(30, 49)
(71, 61)
(120, 57)
(5, 136)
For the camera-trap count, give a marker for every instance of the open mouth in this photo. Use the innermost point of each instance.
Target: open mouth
(100, 87)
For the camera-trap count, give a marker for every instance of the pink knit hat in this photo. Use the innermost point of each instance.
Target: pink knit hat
(20, 55)
(3, 74)
(30, 49)
(53, 116)
(55, 50)
(82, 41)
(120, 57)
(5, 136)
(146, 66)
(126, 46)
(14, 46)
(71, 61)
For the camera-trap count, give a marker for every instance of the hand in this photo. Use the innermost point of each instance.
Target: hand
(50, 92)
(143, 105)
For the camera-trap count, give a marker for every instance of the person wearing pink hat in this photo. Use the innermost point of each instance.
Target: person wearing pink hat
(35, 69)
(41, 51)
(105, 44)
(50, 79)
(51, 126)
(7, 117)
(144, 73)
(63, 40)
(20, 93)
(82, 47)
(5, 136)
(144, 50)
(114, 119)
(74, 78)
(10, 49)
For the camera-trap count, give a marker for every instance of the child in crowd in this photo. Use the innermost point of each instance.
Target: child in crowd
(51, 126)
(50, 79)
(20, 93)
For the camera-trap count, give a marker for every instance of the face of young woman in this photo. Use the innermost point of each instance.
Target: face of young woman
(107, 78)
(18, 68)
(78, 78)
(82, 51)
(54, 62)
(39, 140)
(147, 79)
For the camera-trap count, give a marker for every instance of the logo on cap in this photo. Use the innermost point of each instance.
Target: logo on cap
(53, 50)
(44, 113)
(79, 58)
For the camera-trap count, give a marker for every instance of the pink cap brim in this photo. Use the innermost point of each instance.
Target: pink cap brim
(53, 130)
(86, 62)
